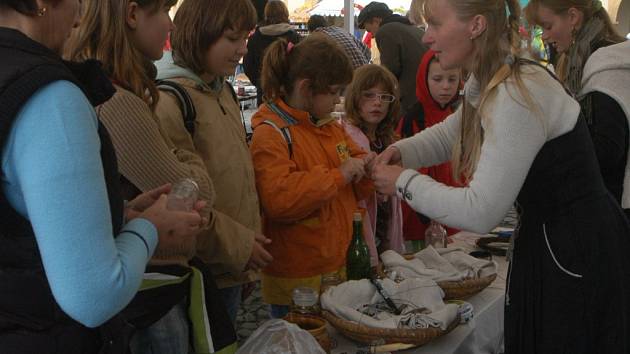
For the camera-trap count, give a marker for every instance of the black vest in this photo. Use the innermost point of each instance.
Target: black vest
(30, 319)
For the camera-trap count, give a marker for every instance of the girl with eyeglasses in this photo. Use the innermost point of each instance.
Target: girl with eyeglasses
(372, 106)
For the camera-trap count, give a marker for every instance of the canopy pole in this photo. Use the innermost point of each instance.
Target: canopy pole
(348, 19)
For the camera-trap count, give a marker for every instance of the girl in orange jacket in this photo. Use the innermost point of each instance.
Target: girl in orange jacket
(309, 173)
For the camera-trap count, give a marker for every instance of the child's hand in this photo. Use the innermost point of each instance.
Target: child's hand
(259, 258)
(369, 162)
(352, 169)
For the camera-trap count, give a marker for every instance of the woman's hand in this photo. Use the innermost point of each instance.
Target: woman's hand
(385, 177)
(391, 156)
(174, 227)
(144, 200)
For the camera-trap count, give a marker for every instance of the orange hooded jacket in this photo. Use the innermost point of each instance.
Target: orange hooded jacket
(307, 206)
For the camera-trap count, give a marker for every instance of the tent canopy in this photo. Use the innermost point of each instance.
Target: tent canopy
(335, 7)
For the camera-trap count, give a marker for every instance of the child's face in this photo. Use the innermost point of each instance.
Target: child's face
(223, 56)
(443, 84)
(324, 103)
(151, 31)
(374, 105)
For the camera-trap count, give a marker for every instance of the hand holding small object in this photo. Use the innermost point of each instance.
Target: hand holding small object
(385, 176)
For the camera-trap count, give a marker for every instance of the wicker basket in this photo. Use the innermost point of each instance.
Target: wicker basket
(463, 289)
(370, 335)
(455, 290)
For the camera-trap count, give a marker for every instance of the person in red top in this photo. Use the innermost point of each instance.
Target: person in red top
(437, 91)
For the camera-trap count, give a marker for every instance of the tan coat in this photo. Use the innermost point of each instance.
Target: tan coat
(220, 142)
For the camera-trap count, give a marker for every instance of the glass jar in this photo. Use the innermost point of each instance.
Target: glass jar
(435, 235)
(329, 280)
(183, 195)
(305, 301)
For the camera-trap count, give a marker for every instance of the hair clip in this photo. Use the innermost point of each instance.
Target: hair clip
(597, 5)
(290, 46)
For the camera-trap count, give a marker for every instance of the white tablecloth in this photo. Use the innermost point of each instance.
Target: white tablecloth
(484, 334)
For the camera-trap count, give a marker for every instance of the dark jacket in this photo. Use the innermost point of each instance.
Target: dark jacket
(30, 319)
(401, 48)
(256, 46)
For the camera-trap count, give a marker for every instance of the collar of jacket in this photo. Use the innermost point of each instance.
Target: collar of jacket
(89, 74)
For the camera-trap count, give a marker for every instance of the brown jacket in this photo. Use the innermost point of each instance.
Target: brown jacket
(220, 142)
(148, 159)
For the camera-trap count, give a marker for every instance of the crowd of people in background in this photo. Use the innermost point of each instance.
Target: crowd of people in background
(455, 121)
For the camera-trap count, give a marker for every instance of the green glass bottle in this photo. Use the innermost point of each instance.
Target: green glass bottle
(357, 256)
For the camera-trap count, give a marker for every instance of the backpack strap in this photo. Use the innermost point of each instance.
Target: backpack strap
(285, 133)
(186, 105)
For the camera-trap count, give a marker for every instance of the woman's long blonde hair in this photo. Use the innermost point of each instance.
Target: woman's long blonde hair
(104, 35)
(500, 40)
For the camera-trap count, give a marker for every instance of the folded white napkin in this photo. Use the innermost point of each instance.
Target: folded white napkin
(442, 264)
(350, 300)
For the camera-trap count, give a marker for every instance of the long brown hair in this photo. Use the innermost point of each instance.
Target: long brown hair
(104, 35)
(500, 40)
(365, 78)
(317, 58)
(590, 9)
(200, 23)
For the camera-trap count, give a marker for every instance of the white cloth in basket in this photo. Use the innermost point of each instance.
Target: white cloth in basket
(442, 264)
(347, 299)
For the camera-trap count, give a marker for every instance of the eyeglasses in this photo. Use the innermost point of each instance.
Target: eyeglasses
(384, 97)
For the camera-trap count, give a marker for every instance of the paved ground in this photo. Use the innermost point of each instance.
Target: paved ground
(254, 312)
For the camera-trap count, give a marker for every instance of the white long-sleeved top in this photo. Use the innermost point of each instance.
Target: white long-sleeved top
(513, 135)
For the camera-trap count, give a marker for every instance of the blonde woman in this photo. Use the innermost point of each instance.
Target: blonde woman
(126, 36)
(518, 137)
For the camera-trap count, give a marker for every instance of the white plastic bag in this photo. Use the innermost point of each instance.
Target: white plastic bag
(280, 337)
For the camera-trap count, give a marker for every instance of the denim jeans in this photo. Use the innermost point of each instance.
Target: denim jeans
(232, 300)
(278, 311)
(169, 335)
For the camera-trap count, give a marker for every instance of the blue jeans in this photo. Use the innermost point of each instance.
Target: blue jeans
(278, 311)
(169, 335)
(232, 300)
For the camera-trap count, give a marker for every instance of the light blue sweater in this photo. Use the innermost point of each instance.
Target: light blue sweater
(53, 176)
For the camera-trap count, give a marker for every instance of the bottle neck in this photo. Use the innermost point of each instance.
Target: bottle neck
(357, 231)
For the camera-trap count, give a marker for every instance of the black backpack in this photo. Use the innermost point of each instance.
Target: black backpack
(189, 114)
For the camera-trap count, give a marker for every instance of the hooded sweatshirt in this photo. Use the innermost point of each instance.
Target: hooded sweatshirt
(258, 43)
(606, 77)
(413, 227)
(219, 140)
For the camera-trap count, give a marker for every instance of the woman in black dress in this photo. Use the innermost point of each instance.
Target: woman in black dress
(577, 29)
(518, 136)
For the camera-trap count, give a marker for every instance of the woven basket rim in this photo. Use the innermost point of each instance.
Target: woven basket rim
(369, 335)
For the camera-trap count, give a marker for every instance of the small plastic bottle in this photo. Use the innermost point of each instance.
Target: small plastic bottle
(435, 235)
(183, 195)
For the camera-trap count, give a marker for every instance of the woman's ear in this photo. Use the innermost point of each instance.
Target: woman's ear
(132, 15)
(478, 25)
(575, 17)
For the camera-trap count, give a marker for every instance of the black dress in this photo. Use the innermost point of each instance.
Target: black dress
(568, 287)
